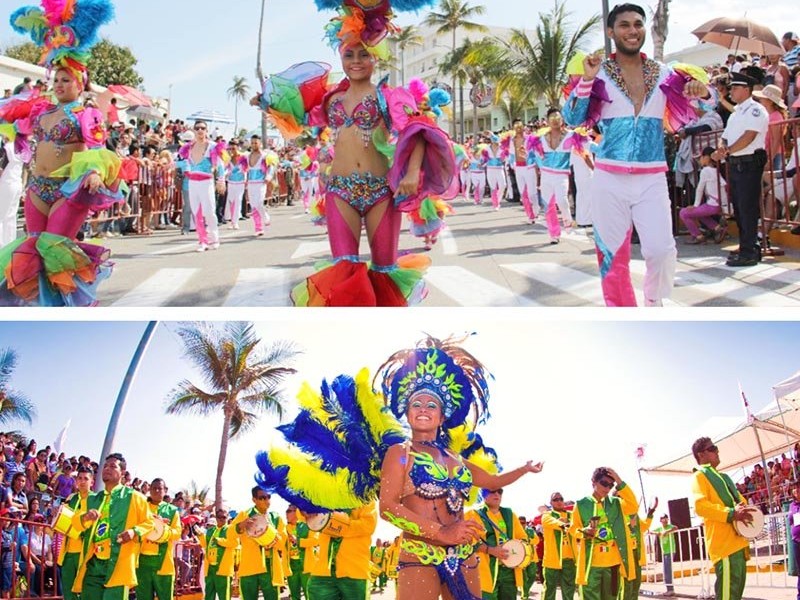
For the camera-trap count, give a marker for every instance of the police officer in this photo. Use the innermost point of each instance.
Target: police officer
(743, 143)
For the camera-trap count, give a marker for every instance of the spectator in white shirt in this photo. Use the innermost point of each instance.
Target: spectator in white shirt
(709, 199)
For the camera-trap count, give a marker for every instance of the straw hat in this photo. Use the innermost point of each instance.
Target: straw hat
(773, 93)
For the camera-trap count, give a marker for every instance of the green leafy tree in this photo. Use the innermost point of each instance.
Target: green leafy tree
(27, 52)
(452, 16)
(408, 36)
(455, 64)
(238, 91)
(14, 405)
(112, 64)
(242, 380)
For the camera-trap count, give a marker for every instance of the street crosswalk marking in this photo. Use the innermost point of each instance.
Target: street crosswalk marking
(469, 289)
(756, 274)
(311, 248)
(448, 242)
(157, 289)
(268, 286)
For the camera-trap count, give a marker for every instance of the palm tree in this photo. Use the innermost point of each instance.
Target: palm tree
(259, 70)
(528, 68)
(452, 16)
(456, 64)
(14, 405)
(238, 91)
(660, 29)
(408, 36)
(243, 380)
(195, 493)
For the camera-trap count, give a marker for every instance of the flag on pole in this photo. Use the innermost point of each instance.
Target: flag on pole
(747, 412)
(61, 440)
(640, 452)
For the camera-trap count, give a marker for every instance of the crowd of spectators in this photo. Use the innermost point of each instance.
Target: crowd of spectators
(783, 471)
(33, 483)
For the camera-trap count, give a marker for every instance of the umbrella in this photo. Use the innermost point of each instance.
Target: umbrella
(739, 34)
(210, 116)
(145, 113)
(130, 95)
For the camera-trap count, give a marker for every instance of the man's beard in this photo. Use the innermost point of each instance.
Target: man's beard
(622, 49)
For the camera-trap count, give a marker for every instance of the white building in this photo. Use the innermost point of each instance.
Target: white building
(13, 71)
(702, 55)
(422, 62)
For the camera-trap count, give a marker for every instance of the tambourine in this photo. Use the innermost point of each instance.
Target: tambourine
(260, 529)
(333, 522)
(159, 533)
(753, 529)
(519, 555)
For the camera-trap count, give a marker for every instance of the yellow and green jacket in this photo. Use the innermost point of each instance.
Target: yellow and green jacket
(393, 559)
(715, 497)
(637, 535)
(588, 552)
(72, 545)
(220, 547)
(166, 550)
(127, 510)
(253, 556)
(352, 557)
(310, 546)
(558, 544)
(489, 566)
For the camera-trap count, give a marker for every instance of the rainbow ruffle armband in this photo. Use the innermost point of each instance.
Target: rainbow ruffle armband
(680, 108)
(290, 96)
(104, 163)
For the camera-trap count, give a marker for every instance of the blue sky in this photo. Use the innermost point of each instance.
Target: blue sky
(576, 394)
(199, 46)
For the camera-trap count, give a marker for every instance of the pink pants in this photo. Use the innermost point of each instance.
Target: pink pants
(620, 200)
(691, 215)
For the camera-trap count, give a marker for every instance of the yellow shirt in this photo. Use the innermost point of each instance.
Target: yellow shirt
(73, 545)
(253, 555)
(553, 555)
(353, 556)
(224, 552)
(488, 578)
(151, 548)
(721, 538)
(311, 545)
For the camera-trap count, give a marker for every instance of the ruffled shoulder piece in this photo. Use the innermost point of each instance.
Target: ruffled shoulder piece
(91, 122)
(219, 154)
(680, 108)
(578, 139)
(534, 144)
(381, 91)
(184, 151)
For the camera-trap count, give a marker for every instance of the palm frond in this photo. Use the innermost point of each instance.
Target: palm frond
(187, 398)
(15, 406)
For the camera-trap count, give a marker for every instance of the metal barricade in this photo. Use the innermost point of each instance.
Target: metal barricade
(29, 567)
(767, 565)
(188, 568)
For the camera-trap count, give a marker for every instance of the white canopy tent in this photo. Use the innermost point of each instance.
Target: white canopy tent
(770, 432)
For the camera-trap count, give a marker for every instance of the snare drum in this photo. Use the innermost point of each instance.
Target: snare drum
(519, 556)
(62, 522)
(159, 533)
(756, 526)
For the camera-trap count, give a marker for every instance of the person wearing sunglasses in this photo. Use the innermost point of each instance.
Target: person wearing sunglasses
(719, 504)
(204, 169)
(558, 562)
(530, 574)
(604, 556)
(260, 564)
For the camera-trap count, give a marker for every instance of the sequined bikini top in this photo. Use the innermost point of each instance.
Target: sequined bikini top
(433, 480)
(65, 131)
(366, 116)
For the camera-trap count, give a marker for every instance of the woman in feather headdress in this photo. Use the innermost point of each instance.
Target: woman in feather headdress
(436, 387)
(388, 157)
(73, 175)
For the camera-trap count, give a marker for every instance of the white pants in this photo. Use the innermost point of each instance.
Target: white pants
(478, 179)
(464, 173)
(309, 188)
(233, 204)
(496, 177)
(201, 196)
(256, 193)
(622, 200)
(555, 187)
(583, 196)
(527, 184)
(10, 194)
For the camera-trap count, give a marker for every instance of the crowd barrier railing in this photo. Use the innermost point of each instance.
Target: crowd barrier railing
(767, 565)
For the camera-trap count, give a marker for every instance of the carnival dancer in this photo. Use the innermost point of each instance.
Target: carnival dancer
(638, 528)
(495, 170)
(436, 386)
(324, 159)
(10, 189)
(500, 524)
(719, 504)
(73, 174)
(260, 566)
(156, 570)
(115, 519)
(582, 163)
(627, 96)
(236, 177)
(603, 544)
(70, 553)
(558, 562)
(519, 152)
(258, 174)
(219, 543)
(554, 145)
(204, 170)
(477, 172)
(363, 188)
(309, 175)
(462, 159)
(297, 533)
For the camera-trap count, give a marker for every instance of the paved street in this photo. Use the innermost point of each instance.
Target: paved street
(484, 258)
